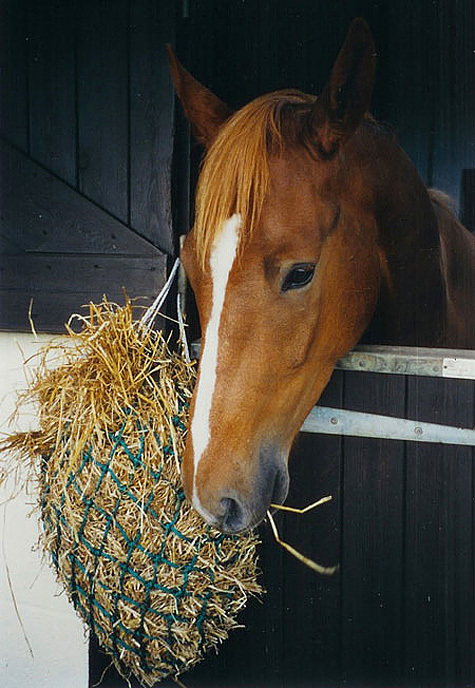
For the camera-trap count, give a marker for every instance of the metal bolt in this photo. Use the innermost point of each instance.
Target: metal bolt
(418, 430)
(334, 421)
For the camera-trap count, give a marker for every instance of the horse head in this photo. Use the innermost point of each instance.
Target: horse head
(284, 262)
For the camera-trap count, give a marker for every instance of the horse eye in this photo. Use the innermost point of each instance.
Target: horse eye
(298, 276)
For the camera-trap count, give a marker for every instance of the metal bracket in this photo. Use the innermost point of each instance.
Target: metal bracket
(331, 421)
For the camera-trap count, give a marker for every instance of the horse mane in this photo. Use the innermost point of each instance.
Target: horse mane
(441, 199)
(235, 173)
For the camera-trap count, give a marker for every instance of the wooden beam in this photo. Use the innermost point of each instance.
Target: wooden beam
(14, 81)
(41, 213)
(102, 103)
(152, 100)
(58, 285)
(51, 28)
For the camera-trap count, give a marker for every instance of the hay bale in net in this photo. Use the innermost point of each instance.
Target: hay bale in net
(156, 585)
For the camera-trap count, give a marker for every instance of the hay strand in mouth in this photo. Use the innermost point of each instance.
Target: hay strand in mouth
(305, 509)
(310, 563)
(157, 586)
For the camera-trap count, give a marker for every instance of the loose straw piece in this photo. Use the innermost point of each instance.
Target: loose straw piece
(10, 586)
(295, 510)
(30, 319)
(323, 570)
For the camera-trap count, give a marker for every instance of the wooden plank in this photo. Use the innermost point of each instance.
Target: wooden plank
(187, 154)
(181, 167)
(51, 33)
(409, 47)
(14, 70)
(152, 102)
(181, 210)
(60, 284)
(454, 112)
(39, 212)
(439, 603)
(102, 86)
(311, 603)
(372, 537)
(262, 644)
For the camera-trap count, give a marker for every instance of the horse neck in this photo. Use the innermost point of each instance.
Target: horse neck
(411, 309)
(458, 267)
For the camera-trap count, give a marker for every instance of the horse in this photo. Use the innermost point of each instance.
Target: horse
(313, 231)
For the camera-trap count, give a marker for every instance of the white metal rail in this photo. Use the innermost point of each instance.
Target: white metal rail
(408, 360)
(330, 421)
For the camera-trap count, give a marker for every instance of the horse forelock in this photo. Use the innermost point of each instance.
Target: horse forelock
(235, 175)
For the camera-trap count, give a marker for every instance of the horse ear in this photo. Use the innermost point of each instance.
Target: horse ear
(345, 99)
(205, 111)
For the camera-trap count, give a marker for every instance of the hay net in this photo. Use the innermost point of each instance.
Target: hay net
(155, 584)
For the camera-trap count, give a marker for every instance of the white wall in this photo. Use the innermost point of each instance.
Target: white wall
(55, 634)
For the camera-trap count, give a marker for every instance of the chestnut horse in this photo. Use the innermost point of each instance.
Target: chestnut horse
(312, 228)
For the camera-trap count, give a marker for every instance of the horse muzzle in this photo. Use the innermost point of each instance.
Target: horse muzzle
(233, 507)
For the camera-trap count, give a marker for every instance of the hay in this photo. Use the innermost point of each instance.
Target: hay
(156, 585)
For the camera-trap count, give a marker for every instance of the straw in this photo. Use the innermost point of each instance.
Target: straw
(310, 563)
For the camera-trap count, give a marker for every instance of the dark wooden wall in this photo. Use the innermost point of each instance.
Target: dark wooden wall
(86, 121)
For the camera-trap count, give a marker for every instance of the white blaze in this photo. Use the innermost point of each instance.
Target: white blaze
(222, 259)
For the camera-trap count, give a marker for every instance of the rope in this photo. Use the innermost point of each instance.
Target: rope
(151, 313)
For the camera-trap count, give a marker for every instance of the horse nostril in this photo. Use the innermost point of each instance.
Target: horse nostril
(234, 517)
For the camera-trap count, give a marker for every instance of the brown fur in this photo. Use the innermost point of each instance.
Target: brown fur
(457, 262)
